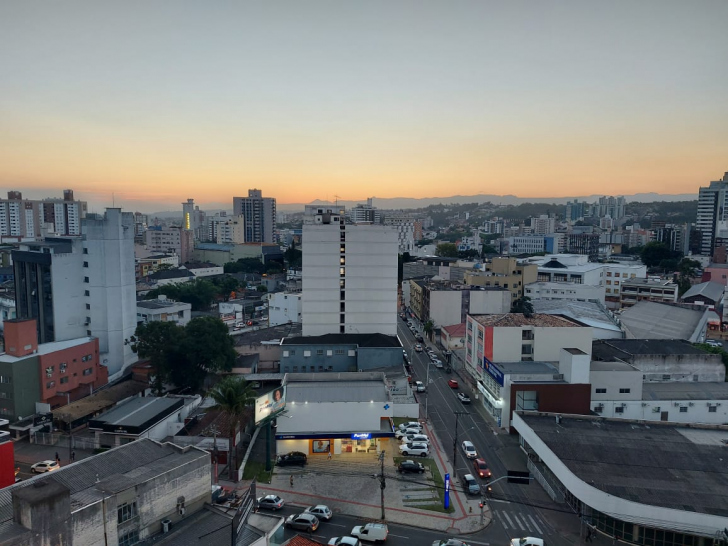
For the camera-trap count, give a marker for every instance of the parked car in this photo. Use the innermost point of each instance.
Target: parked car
(292, 458)
(450, 542)
(713, 343)
(44, 466)
(373, 532)
(464, 398)
(410, 424)
(344, 541)
(527, 541)
(453, 383)
(270, 502)
(419, 338)
(470, 484)
(437, 362)
(406, 432)
(410, 466)
(481, 468)
(414, 449)
(418, 348)
(415, 439)
(419, 386)
(321, 511)
(469, 450)
(303, 522)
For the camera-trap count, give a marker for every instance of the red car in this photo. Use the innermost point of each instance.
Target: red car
(482, 468)
(452, 383)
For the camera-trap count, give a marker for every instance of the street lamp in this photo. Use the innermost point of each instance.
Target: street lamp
(455, 440)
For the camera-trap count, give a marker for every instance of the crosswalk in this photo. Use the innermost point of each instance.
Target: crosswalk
(518, 521)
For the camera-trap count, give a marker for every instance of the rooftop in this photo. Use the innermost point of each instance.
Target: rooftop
(128, 465)
(456, 330)
(612, 366)
(100, 400)
(48, 348)
(653, 320)
(336, 387)
(610, 349)
(587, 312)
(711, 290)
(361, 340)
(517, 320)
(161, 304)
(665, 283)
(679, 390)
(516, 368)
(660, 464)
(137, 415)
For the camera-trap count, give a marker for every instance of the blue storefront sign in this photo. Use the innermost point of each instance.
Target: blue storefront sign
(447, 491)
(361, 436)
(493, 371)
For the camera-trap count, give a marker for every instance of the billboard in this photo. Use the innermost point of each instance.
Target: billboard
(270, 403)
(493, 371)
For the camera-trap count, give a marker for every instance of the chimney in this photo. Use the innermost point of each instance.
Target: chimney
(21, 337)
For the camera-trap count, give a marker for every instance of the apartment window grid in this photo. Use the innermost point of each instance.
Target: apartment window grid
(712, 409)
(129, 538)
(126, 511)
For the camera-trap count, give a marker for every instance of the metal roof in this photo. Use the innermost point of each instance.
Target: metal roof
(710, 290)
(361, 340)
(679, 390)
(652, 320)
(653, 464)
(588, 312)
(336, 391)
(609, 349)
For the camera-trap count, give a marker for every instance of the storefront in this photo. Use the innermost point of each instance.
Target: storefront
(336, 444)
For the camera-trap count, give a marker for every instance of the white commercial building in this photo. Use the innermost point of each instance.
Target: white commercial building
(564, 291)
(284, 307)
(230, 231)
(85, 286)
(349, 276)
(164, 310)
(526, 244)
(543, 225)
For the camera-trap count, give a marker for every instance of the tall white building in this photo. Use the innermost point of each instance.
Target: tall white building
(349, 275)
(364, 213)
(407, 230)
(260, 216)
(614, 207)
(284, 307)
(543, 225)
(23, 219)
(712, 213)
(84, 286)
(230, 231)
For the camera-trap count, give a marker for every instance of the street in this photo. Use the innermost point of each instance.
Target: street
(399, 535)
(514, 515)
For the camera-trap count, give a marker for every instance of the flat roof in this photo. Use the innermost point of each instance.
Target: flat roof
(612, 366)
(659, 464)
(679, 390)
(161, 304)
(362, 340)
(518, 319)
(609, 349)
(136, 415)
(515, 368)
(100, 400)
(661, 321)
(47, 348)
(337, 391)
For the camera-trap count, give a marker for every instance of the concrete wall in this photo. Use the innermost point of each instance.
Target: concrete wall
(693, 411)
(24, 389)
(446, 307)
(323, 357)
(707, 367)
(613, 381)
(489, 302)
(283, 308)
(547, 343)
(333, 417)
(407, 410)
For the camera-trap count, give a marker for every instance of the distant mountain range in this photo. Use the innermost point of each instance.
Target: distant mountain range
(396, 203)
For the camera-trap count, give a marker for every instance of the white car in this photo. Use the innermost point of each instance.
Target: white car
(44, 466)
(713, 343)
(418, 348)
(415, 439)
(321, 511)
(344, 541)
(419, 386)
(373, 532)
(469, 450)
(527, 541)
(406, 432)
(414, 449)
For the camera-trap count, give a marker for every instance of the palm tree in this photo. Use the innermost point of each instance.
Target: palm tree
(232, 395)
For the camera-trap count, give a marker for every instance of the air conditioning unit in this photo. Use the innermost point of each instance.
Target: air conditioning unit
(182, 511)
(166, 524)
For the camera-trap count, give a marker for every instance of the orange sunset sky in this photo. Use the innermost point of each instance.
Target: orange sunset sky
(157, 102)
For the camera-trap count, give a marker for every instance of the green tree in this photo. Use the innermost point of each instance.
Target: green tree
(231, 396)
(489, 249)
(209, 345)
(245, 265)
(468, 254)
(523, 305)
(261, 288)
(159, 342)
(199, 293)
(293, 257)
(654, 252)
(687, 269)
(428, 327)
(447, 250)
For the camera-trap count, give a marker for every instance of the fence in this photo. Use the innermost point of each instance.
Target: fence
(61, 440)
(555, 494)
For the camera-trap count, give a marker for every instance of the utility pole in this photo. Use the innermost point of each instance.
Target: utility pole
(382, 482)
(455, 440)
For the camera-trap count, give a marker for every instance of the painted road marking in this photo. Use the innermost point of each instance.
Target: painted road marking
(498, 500)
(509, 519)
(535, 525)
(518, 521)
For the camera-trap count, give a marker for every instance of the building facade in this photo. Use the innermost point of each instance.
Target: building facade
(163, 310)
(260, 216)
(712, 218)
(636, 290)
(349, 276)
(508, 273)
(564, 291)
(284, 307)
(171, 240)
(193, 219)
(23, 219)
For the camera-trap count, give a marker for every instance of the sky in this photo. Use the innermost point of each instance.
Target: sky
(146, 104)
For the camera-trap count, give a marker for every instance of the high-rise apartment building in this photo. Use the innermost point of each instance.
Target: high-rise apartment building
(82, 286)
(364, 213)
(349, 275)
(231, 231)
(712, 213)
(193, 219)
(22, 219)
(260, 216)
(171, 240)
(614, 207)
(543, 225)
(409, 230)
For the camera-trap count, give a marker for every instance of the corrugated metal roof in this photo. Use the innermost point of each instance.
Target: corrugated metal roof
(340, 391)
(652, 320)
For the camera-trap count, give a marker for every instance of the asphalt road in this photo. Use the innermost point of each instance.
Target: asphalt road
(513, 517)
(399, 535)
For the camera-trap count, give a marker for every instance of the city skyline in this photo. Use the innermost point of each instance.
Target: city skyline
(144, 106)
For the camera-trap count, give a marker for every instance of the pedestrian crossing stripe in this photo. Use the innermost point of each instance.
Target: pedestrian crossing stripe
(521, 522)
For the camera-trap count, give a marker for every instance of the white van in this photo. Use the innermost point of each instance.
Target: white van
(372, 532)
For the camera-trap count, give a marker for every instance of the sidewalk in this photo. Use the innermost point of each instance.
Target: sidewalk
(28, 453)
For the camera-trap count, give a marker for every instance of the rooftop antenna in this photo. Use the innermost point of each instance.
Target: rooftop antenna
(113, 200)
(336, 200)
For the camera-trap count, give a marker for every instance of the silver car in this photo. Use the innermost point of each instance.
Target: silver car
(321, 511)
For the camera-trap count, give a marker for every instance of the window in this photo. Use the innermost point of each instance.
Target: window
(609, 273)
(342, 319)
(342, 261)
(321, 368)
(64, 380)
(85, 279)
(85, 250)
(319, 352)
(52, 384)
(85, 264)
(601, 391)
(619, 409)
(295, 369)
(50, 370)
(87, 358)
(712, 409)
(88, 371)
(617, 274)
(88, 306)
(624, 391)
(6, 379)
(340, 352)
(86, 293)
(62, 367)
(129, 538)
(342, 271)
(683, 409)
(527, 334)
(526, 349)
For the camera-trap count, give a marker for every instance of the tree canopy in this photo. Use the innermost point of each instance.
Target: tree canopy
(447, 250)
(185, 355)
(522, 305)
(654, 253)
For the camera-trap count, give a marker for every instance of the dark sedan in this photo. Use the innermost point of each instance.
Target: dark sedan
(292, 458)
(410, 466)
